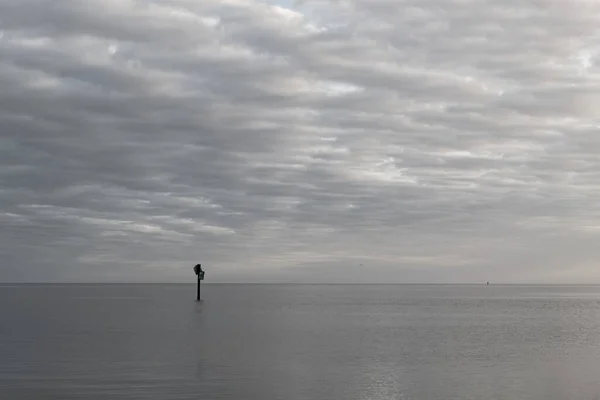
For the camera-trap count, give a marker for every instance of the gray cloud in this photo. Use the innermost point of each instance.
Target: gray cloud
(438, 141)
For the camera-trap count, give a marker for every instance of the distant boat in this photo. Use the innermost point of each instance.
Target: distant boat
(487, 284)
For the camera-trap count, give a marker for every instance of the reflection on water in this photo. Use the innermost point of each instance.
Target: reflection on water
(299, 342)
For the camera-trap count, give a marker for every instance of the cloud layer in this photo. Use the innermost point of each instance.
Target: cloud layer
(429, 141)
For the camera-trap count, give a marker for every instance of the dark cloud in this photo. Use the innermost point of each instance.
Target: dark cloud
(448, 141)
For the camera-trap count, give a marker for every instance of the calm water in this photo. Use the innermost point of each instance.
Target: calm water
(299, 342)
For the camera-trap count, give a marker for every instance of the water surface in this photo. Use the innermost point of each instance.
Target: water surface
(299, 342)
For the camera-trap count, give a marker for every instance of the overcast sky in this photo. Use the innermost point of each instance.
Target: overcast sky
(428, 140)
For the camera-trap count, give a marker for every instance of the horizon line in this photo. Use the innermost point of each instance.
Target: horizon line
(308, 283)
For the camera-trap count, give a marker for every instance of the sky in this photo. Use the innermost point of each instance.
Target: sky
(384, 141)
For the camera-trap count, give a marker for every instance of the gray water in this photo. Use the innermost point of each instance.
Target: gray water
(299, 342)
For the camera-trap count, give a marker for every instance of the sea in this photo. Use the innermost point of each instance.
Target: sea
(292, 342)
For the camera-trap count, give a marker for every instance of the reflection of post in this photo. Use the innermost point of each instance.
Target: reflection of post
(200, 274)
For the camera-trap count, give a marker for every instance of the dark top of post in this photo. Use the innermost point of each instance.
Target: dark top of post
(198, 271)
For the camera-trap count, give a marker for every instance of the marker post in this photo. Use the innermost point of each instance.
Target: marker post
(200, 274)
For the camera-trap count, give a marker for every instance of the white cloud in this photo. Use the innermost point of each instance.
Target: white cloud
(285, 140)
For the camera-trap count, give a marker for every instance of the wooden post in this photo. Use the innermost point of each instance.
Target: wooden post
(200, 274)
(198, 289)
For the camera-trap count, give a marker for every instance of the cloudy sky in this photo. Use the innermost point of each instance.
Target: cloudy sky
(300, 141)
